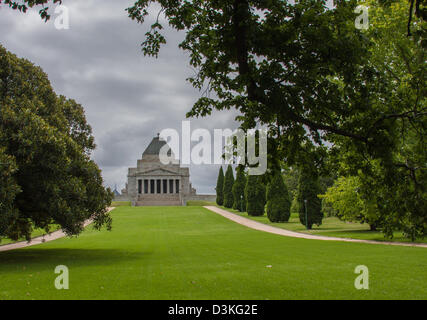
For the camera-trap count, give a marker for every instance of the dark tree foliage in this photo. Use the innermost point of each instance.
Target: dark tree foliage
(255, 195)
(309, 203)
(8, 191)
(278, 202)
(23, 5)
(418, 8)
(228, 187)
(239, 190)
(47, 176)
(220, 188)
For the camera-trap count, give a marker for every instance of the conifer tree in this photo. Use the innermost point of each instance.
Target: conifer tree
(309, 203)
(239, 190)
(255, 196)
(220, 188)
(228, 187)
(278, 202)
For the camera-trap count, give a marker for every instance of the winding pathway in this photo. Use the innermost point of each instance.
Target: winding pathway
(264, 227)
(42, 239)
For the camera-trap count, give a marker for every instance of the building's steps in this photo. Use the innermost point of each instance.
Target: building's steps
(159, 200)
(158, 203)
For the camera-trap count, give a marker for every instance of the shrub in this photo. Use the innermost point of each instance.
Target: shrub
(255, 196)
(228, 187)
(239, 190)
(278, 203)
(308, 189)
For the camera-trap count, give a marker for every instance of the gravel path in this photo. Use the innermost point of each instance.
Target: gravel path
(42, 239)
(264, 227)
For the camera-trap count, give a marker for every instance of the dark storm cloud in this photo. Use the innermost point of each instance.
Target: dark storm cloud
(128, 98)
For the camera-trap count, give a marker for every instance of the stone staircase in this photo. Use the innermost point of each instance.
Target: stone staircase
(158, 200)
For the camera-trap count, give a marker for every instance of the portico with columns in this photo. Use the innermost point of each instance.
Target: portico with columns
(153, 183)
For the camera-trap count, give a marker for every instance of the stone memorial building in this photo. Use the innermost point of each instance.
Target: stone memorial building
(152, 183)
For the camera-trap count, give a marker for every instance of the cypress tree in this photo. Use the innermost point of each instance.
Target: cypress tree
(278, 202)
(220, 188)
(239, 190)
(255, 196)
(308, 189)
(228, 187)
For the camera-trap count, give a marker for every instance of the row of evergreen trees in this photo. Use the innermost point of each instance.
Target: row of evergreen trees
(248, 193)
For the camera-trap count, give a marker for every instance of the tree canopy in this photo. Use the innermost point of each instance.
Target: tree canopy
(45, 167)
(23, 5)
(327, 91)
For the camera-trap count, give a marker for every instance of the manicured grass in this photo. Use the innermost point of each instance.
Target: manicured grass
(121, 204)
(330, 227)
(200, 203)
(192, 253)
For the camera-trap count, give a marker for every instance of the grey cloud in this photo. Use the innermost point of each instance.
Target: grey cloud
(128, 98)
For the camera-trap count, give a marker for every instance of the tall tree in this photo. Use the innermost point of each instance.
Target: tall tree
(393, 175)
(255, 196)
(309, 204)
(45, 165)
(220, 187)
(278, 202)
(239, 190)
(228, 187)
(8, 191)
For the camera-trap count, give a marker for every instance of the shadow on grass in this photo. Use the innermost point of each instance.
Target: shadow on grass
(35, 258)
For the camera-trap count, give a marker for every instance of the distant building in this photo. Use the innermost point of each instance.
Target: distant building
(115, 192)
(152, 183)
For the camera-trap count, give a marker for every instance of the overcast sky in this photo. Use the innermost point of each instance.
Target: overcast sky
(128, 98)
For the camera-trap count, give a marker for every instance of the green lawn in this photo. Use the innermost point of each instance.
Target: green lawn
(200, 203)
(192, 253)
(121, 204)
(330, 227)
